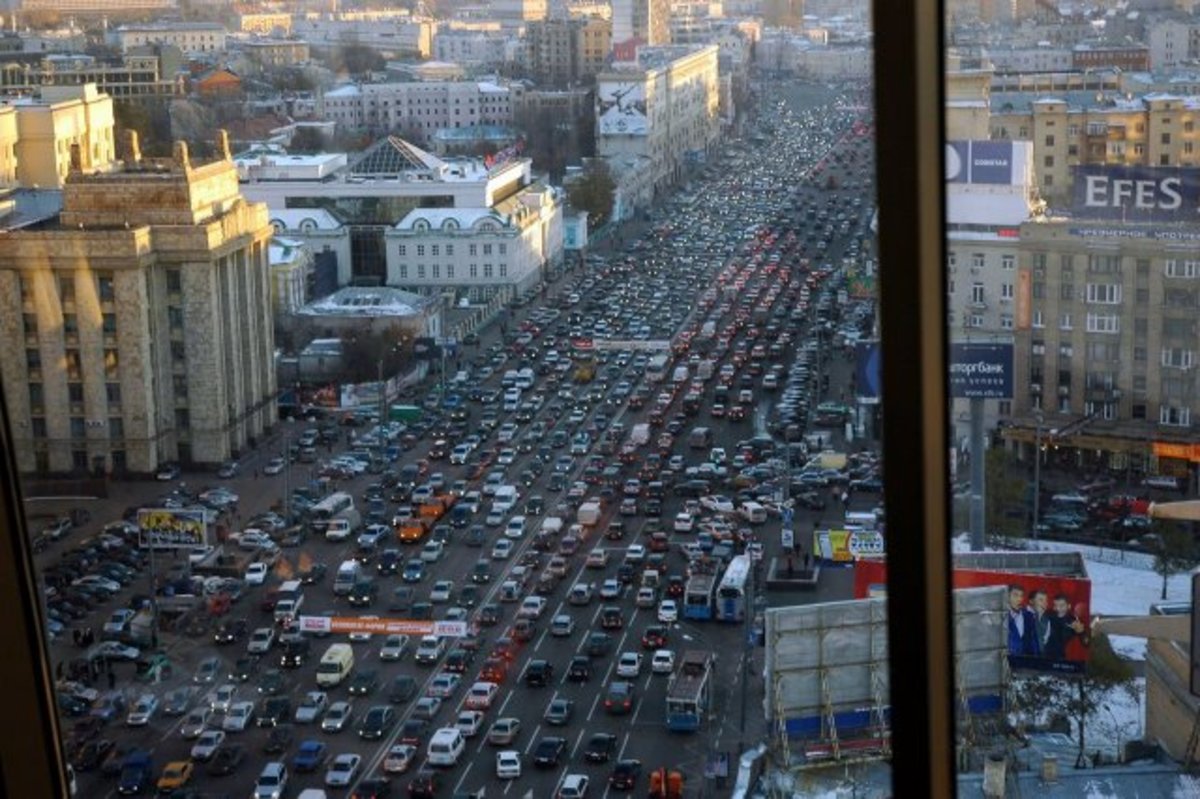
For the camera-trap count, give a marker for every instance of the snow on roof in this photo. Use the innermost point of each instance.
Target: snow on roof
(348, 90)
(437, 218)
(367, 301)
(282, 251)
(294, 219)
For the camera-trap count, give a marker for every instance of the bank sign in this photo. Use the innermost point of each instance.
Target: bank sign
(983, 162)
(1137, 193)
(981, 371)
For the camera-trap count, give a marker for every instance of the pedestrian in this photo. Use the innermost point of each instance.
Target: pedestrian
(789, 567)
(77, 636)
(112, 679)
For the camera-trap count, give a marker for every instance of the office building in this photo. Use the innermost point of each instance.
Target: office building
(136, 322)
(636, 22)
(474, 48)
(562, 52)
(192, 38)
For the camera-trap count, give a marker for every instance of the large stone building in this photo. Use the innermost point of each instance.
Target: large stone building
(133, 76)
(417, 109)
(193, 38)
(37, 133)
(562, 52)
(475, 48)
(390, 32)
(637, 22)
(656, 116)
(136, 322)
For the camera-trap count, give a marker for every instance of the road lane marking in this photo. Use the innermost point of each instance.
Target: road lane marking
(463, 778)
(532, 739)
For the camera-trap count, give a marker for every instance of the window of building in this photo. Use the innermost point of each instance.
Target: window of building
(1178, 357)
(1104, 293)
(436, 271)
(70, 325)
(449, 271)
(487, 249)
(488, 271)
(1103, 323)
(474, 270)
(175, 317)
(502, 248)
(38, 427)
(1036, 318)
(1006, 291)
(420, 250)
(174, 281)
(1166, 138)
(1048, 161)
(1175, 415)
(975, 320)
(1038, 259)
(104, 286)
(111, 363)
(472, 249)
(37, 396)
(1050, 141)
(420, 271)
(977, 295)
(402, 250)
(1048, 180)
(1038, 347)
(1006, 321)
(977, 260)
(1038, 290)
(1064, 321)
(78, 427)
(75, 393)
(1104, 264)
(108, 323)
(435, 250)
(66, 288)
(29, 324)
(1066, 291)
(116, 427)
(1008, 261)
(449, 249)
(952, 258)
(1185, 268)
(183, 419)
(1139, 149)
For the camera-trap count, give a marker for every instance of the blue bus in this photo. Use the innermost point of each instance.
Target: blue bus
(689, 691)
(731, 593)
(698, 597)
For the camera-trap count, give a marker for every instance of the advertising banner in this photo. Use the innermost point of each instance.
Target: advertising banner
(981, 371)
(1137, 193)
(846, 546)
(868, 370)
(358, 624)
(621, 108)
(172, 529)
(1049, 616)
(981, 162)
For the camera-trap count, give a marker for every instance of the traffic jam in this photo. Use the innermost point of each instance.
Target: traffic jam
(538, 577)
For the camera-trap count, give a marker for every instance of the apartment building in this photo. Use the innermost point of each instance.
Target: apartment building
(417, 108)
(640, 22)
(147, 298)
(393, 34)
(36, 142)
(474, 48)
(193, 38)
(561, 52)
(132, 77)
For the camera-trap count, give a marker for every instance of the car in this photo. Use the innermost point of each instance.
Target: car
(504, 731)
(413, 731)
(481, 695)
(647, 597)
(432, 551)
(629, 664)
(562, 625)
(655, 637)
(311, 707)
(117, 622)
(579, 669)
(508, 764)
(207, 745)
(112, 650)
(600, 747)
(338, 717)
(143, 711)
(597, 559)
(239, 716)
(610, 588)
(402, 689)
(558, 712)
(272, 781)
(195, 724)
(343, 770)
(177, 702)
(430, 650)
(400, 758)
(662, 661)
(230, 631)
(256, 573)
(618, 701)
(364, 682)
(274, 466)
(175, 775)
(310, 756)
(261, 641)
(279, 739)
(574, 786)
(393, 647)
(373, 788)
(427, 707)
(625, 775)
(502, 549)
(539, 673)
(441, 591)
(598, 644)
(271, 682)
(611, 618)
(414, 571)
(532, 607)
(226, 760)
(377, 723)
(444, 685)
(274, 711)
(668, 611)
(469, 722)
(549, 751)
(425, 785)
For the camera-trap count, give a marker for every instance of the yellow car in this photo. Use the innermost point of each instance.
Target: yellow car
(175, 775)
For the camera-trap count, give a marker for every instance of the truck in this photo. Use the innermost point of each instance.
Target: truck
(405, 413)
(552, 525)
(640, 435)
(589, 514)
(681, 375)
(704, 370)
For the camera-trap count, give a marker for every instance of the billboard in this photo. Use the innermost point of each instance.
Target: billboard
(1137, 193)
(360, 624)
(995, 163)
(1048, 621)
(868, 370)
(846, 546)
(981, 371)
(621, 108)
(172, 529)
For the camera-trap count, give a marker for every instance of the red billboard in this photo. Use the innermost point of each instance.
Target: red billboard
(1049, 616)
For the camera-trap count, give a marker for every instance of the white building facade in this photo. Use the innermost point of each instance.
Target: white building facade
(418, 107)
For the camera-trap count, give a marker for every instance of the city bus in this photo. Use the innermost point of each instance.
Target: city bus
(689, 691)
(698, 597)
(328, 509)
(656, 368)
(731, 593)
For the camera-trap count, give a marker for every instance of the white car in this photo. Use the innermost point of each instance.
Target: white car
(103, 583)
(717, 504)
(668, 611)
(399, 758)
(337, 717)
(506, 457)
(343, 770)
(441, 592)
(508, 764)
(610, 588)
(238, 717)
(393, 647)
(222, 698)
(432, 551)
(629, 664)
(311, 707)
(261, 641)
(469, 722)
(142, 711)
(113, 650)
(481, 695)
(360, 635)
(251, 539)
(117, 621)
(274, 466)
(635, 554)
(502, 549)
(662, 661)
(684, 523)
(256, 573)
(515, 527)
(562, 625)
(532, 607)
(207, 745)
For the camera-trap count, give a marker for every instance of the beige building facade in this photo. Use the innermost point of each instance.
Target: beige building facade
(137, 324)
(561, 52)
(47, 127)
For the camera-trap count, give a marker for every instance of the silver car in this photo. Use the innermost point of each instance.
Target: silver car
(338, 717)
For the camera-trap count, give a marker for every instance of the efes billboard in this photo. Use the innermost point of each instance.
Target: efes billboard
(1137, 193)
(981, 162)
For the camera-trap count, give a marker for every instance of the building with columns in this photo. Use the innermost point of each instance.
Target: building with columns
(136, 322)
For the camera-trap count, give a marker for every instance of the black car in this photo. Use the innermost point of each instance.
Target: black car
(459, 660)
(244, 669)
(610, 618)
(363, 594)
(294, 650)
(625, 775)
(402, 689)
(490, 614)
(373, 788)
(226, 760)
(275, 711)
(389, 561)
(230, 631)
(534, 505)
(539, 674)
(377, 723)
(548, 751)
(91, 754)
(313, 574)
(482, 572)
(598, 645)
(468, 596)
(279, 739)
(414, 732)
(580, 669)
(425, 785)
(364, 682)
(655, 637)
(600, 748)
(476, 536)
(271, 682)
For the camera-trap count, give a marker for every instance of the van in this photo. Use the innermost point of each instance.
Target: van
(524, 378)
(288, 602)
(505, 498)
(341, 526)
(348, 575)
(753, 512)
(335, 666)
(512, 400)
(700, 438)
(446, 747)
(509, 380)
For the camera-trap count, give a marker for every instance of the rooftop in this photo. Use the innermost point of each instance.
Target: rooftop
(295, 219)
(392, 156)
(368, 302)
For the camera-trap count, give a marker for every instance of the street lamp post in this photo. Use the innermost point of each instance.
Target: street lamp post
(1037, 471)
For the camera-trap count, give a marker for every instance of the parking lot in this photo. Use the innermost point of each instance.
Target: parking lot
(568, 408)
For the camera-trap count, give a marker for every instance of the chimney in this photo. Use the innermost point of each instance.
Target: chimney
(223, 145)
(133, 147)
(180, 153)
(76, 159)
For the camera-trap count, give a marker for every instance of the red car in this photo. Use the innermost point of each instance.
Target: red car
(654, 638)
